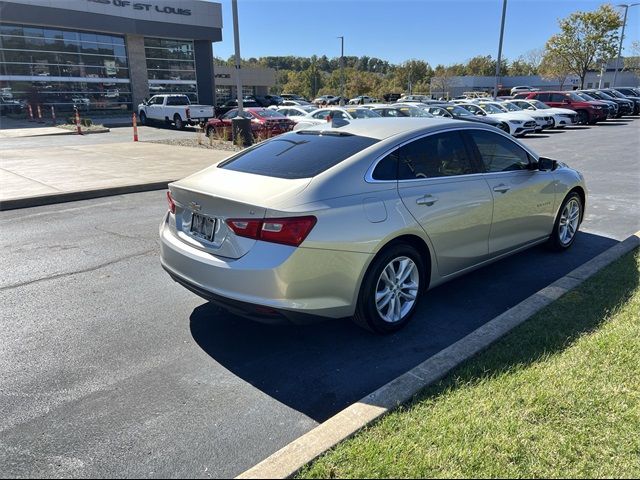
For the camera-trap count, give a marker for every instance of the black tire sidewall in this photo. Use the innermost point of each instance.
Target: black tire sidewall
(178, 122)
(143, 118)
(366, 312)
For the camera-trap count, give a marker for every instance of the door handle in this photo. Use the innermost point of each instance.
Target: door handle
(427, 200)
(502, 188)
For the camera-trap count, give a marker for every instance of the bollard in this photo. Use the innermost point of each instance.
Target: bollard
(39, 109)
(199, 132)
(53, 115)
(135, 127)
(30, 113)
(78, 129)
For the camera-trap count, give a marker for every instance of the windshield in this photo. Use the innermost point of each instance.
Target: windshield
(282, 157)
(601, 95)
(490, 108)
(511, 107)
(613, 93)
(362, 113)
(575, 97)
(268, 113)
(415, 112)
(583, 96)
(539, 105)
(457, 111)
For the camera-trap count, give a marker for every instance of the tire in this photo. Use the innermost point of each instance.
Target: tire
(209, 131)
(570, 213)
(143, 118)
(583, 117)
(177, 120)
(382, 317)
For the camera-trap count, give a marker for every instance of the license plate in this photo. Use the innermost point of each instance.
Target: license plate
(203, 227)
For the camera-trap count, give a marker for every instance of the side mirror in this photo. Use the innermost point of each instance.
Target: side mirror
(546, 164)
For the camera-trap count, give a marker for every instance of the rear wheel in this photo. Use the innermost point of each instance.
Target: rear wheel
(567, 223)
(177, 120)
(390, 289)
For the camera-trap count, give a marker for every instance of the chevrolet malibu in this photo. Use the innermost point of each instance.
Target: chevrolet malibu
(359, 219)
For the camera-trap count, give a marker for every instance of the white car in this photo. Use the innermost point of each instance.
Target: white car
(347, 113)
(519, 123)
(544, 120)
(523, 88)
(296, 113)
(562, 117)
(360, 100)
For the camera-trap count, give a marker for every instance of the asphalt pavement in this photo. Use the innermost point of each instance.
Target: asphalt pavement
(108, 368)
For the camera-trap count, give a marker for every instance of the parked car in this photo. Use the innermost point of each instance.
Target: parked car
(588, 112)
(391, 97)
(293, 96)
(296, 113)
(447, 110)
(322, 115)
(360, 100)
(623, 106)
(174, 108)
(263, 121)
(379, 211)
(231, 104)
(523, 88)
(395, 110)
(610, 107)
(562, 117)
(617, 94)
(326, 100)
(265, 100)
(543, 120)
(8, 105)
(292, 103)
(519, 123)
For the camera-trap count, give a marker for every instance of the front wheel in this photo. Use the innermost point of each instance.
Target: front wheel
(390, 289)
(143, 118)
(583, 117)
(567, 223)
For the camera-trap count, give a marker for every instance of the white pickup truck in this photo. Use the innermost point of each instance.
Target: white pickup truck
(176, 109)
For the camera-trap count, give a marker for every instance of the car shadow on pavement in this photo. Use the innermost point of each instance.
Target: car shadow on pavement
(322, 368)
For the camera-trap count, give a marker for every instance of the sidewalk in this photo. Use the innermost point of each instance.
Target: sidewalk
(56, 174)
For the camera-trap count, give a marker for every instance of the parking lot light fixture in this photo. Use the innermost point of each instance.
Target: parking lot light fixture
(624, 24)
(504, 13)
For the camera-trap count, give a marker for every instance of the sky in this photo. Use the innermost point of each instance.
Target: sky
(437, 31)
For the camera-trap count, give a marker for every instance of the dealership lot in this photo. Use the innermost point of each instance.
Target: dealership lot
(109, 368)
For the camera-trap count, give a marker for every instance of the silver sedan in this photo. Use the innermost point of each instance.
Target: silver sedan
(357, 220)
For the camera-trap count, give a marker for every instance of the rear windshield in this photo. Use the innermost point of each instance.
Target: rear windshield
(303, 154)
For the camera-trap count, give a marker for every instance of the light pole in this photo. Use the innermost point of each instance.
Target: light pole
(624, 24)
(240, 126)
(504, 12)
(341, 70)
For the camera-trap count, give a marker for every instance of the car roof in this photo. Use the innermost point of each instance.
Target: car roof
(381, 128)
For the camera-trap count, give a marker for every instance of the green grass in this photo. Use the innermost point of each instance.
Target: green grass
(558, 397)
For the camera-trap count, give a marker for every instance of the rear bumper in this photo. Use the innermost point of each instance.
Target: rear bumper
(271, 283)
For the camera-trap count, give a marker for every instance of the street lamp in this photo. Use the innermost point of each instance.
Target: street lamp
(341, 70)
(624, 23)
(240, 126)
(504, 12)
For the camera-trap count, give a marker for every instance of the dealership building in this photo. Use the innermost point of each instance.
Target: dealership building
(107, 54)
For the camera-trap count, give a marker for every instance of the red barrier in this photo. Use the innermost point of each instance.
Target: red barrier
(39, 109)
(30, 113)
(135, 128)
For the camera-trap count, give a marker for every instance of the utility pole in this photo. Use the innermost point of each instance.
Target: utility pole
(341, 70)
(624, 24)
(504, 13)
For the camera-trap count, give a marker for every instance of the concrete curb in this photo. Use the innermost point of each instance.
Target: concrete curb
(287, 461)
(27, 202)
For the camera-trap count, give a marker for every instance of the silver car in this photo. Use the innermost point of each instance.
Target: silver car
(358, 220)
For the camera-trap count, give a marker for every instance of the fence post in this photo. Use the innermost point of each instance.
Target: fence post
(53, 115)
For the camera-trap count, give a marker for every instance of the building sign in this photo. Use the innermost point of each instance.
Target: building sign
(143, 6)
(110, 67)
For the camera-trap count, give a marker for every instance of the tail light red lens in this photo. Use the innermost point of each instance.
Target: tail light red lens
(172, 204)
(287, 231)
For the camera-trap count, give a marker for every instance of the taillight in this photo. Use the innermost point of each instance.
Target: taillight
(287, 231)
(172, 204)
(188, 113)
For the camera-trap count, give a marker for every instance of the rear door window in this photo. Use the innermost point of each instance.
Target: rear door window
(298, 155)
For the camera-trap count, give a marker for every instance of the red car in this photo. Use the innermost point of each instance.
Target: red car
(588, 112)
(264, 122)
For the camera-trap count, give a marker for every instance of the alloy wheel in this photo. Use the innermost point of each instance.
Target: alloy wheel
(397, 289)
(569, 220)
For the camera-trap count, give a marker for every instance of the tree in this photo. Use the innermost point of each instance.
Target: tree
(554, 67)
(632, 62)
(442, 81)
(586, 39)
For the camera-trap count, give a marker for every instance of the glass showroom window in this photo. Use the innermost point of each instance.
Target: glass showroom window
(44, 66)
(171, 67)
